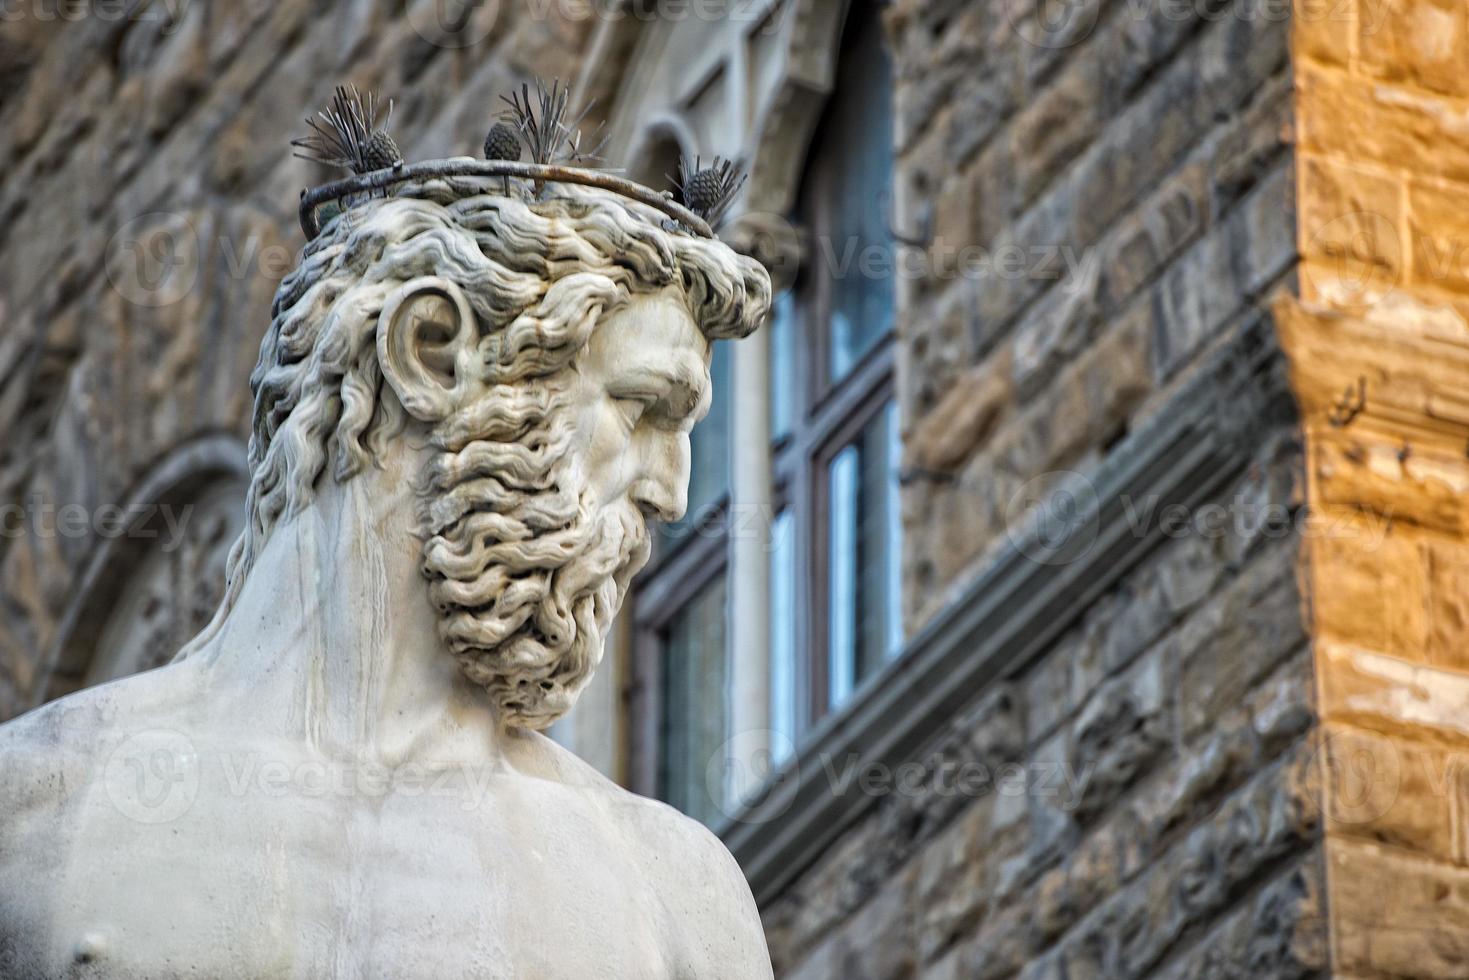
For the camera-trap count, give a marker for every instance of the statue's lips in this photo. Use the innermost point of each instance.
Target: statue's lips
(470, 167)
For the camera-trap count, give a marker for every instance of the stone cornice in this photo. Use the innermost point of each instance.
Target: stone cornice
(1014, 609)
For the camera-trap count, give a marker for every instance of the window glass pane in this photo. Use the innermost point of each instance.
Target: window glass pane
(864, 549)
(842, 584)
(854, 245)
(782, 636)
(708, 450)
(695, 714)
(893, 519)
(782, 363)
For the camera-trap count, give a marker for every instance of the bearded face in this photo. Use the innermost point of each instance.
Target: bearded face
(555, 353)
(536, 504)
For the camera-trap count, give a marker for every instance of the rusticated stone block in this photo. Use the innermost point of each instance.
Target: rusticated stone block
(1390, 477)
(1386, 124)
(1136, 44)
(1120, 733)
(944, 437)
(1390, 694)
(1323, 30)
(1367, 584)
(1249, 150)
(1238, 638)
(1092, 399)
(1424, 43)
(1396, 791)
(954, 871)
(1448, 603)
(1439, 231)
(1056, 124)
(998, 950)
(1149, 238)
(1195, 298)
(1128, 934)
(1056, 329)
(1395, 913)
(1352, 219)
(177, 70)
(1280, 934)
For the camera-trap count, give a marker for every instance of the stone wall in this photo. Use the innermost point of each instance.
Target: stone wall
(148, 212)
(1379, 350)
(1126, 191)
(1152, 145)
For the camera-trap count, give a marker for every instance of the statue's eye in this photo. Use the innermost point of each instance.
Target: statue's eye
(631, 408)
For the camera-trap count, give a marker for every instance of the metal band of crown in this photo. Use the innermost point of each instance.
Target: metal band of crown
(376, 180)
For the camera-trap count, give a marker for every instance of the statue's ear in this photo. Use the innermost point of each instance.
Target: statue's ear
(427, 345)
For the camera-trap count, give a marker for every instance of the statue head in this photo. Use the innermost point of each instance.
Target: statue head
(554, 355)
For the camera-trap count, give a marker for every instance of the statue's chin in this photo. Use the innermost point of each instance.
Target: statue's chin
(534, 697)
(533, 680)
(548, 620)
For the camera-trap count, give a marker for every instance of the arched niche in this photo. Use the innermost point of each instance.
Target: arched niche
(148, 590)
(654, 159)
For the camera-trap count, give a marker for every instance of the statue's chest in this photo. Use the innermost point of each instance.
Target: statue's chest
(241, 887)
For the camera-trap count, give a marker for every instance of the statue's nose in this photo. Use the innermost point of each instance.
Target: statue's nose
(662, 487)
(658, 499)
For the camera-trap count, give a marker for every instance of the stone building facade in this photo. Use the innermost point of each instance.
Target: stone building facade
(1178, 377)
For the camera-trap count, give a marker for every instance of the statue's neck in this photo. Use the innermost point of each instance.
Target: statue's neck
(332, 637)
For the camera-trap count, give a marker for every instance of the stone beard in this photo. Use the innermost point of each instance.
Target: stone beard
(526, 569)
(526, 565)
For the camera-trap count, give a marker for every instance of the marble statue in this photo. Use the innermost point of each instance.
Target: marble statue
(465, 409)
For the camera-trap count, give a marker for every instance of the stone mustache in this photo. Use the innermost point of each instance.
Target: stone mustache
(465, 409)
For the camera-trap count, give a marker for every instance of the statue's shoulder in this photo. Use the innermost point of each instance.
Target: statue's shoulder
(705, 892)
(58, 748)
(669, 841)
(707, 898)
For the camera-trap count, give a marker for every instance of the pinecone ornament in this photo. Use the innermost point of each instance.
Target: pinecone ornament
(709, 191)
(702, 192)
(352, 134)
(379, 153)
(502, 143)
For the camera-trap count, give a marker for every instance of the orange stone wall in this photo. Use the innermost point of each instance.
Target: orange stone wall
(1379, 348)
